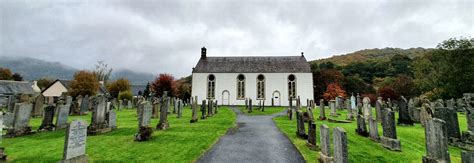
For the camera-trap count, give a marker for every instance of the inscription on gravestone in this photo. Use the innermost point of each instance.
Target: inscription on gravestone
(75, 143)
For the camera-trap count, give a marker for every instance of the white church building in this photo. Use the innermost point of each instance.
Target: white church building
(230, 80)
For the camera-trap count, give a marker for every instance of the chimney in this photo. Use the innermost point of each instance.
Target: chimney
(203, 52)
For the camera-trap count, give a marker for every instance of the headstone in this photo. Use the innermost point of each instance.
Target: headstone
(120, 104)
(311, 143)
(8, 120)
(450, 117)
(301, 132)
(99, 124)
(112, 119)
(85, 104)
(144, 118)
(47, 123)
(389, 139)
(426, 113)
(164, 124)
(367, 109)
(216, 108)
(332, 105)
(77, 109)
(209, 108)
(436, 141)
(378, 109)
(194, 117)
(250, 106)
(180, 109)
(156, 108)
(173, 101)
(467, 157)
(129, 104)
(468, 136)
(322, 114)
(289, 112)
(325, 154)
(61, 119)
(403, 113)
(309, 112)
(341, 152)
(353, 102)
(361, 126)
(38, 106)
(21, 120)
(3, 156)
(203, 110)
(350, 116)
(75, 144)
(373, 130)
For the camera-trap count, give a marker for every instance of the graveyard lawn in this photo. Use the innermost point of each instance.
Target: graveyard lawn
(183, 142)
(269, 110)
(362, 149)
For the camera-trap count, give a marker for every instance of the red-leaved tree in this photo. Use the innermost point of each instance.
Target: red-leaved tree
(387, 92)
(164, 82)
(332, 91)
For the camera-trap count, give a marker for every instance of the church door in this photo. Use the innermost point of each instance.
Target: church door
(276, 100)
(225, 97)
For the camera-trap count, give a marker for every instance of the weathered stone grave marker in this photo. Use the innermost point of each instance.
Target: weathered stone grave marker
(163, 124)
(301, 132)
(47, 123)
(194, 117)
(144, 117)
(325, 154)
(341, 152)
(203, 110)
(403, 113)
(99, 124)
(38, 106)
(373, 130)
(311, 143)
(75, 143)
(21, 120)
(436, 142)
(389, 139)
(322, 113)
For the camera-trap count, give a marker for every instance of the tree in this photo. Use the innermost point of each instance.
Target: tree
(102, 72)
(126, 95)
(333, 90)
(400, 64)
(84, 83)
(44, 82)
(17, 77)
(387, 92)
(355, 84)
(164, 82)
(404, 85)
(5, 74)
(327, 65)
(117, 86)
(184, 89)
(457, 44)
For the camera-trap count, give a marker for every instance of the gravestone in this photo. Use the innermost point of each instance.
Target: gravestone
(203, 110)
(389, 139)
(300, 132)
(403, 113)
(194, 117)
(332, 105)
(61, 119)
(322, 113)
(180, 109)
(246, 103)
(3, 156)
(426, 113)
(75, 142)
(164, 124)
(173, 102)
(250, 106)
(309, 112)
(289, 112)
(21, 120)
(359, 103)
(467, 157)
(112, 119)
(216, 108)
(155, 110)
(361, 126)
(144, 118)
(129, 104)
(85, 104)
(78, 103)
(341, 152)
(47, 123)
(468, 136)
(378, 109)
(325, 154)
(450, 117)
(436, 141)
(8, 120)
(367, 109)
(311, 143)
(353, 102)
(373, 130)
(209, 108)
(120, 104)
(99, 124)
(38, 106)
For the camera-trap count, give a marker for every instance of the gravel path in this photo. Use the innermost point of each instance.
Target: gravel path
(256, 139)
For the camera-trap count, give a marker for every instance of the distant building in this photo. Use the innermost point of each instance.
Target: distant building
(58, 87)
(272, 79)
(10, 91)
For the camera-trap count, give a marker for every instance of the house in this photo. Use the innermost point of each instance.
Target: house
(272, 79)
(10, 91)
(58, 87)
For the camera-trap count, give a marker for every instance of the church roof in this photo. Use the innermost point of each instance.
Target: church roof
(273, 64)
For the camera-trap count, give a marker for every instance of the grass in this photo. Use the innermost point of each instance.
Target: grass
(268, 110)
(183, 142)
(362, 149)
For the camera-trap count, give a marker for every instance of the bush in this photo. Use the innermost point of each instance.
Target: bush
(125, 95)
(117, 86)
(387, 92)
(333, 90)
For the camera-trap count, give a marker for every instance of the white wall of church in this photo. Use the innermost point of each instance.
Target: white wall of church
(274, 82)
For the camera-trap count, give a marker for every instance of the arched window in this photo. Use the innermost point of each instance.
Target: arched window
(291, 86)
(211, 87)
(260, 87)
(241, 87)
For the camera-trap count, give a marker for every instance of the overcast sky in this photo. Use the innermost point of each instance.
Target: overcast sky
(166, 36)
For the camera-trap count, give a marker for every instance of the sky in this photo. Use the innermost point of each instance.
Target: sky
(166, 36)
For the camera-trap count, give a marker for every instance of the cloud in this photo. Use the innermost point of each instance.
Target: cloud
(166, 36)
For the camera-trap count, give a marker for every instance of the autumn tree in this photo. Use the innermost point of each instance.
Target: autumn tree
(84, 83)
(333, 90)
(5, 74)
(387, 92)
(117, 86)
(184, 89)
(164, 82)
(44, 82)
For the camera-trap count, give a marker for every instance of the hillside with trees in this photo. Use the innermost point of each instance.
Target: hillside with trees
(444, 72)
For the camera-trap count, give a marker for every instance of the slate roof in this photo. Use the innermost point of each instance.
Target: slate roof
(8, 87)
(273, 64)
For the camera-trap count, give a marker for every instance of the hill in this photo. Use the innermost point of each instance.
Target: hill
(372, 54)
(34, 69)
